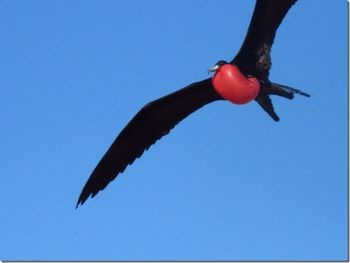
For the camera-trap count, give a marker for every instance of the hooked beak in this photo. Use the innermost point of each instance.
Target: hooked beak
(213, 69)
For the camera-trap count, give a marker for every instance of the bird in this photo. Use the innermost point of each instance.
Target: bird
(245, 78)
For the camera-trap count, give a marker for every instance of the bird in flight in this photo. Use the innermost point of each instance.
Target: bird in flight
(243, 79)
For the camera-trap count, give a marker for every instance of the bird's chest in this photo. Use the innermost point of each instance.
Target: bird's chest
(232, 85)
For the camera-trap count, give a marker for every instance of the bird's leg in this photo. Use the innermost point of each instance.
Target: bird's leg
(284, 91)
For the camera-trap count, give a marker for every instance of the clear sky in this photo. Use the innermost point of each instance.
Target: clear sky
(227, 184)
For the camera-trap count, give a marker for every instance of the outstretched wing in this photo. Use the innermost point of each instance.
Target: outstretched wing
(254, 55)
(152, 122)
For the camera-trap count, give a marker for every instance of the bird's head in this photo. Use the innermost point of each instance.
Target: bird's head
(219, 64)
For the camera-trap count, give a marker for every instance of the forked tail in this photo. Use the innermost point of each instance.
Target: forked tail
(265, 102)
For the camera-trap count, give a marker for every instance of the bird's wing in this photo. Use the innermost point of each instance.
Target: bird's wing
(254, 55)
(152, 122)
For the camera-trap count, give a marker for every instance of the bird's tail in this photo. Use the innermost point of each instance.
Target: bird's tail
(265, 102)
(285, 91)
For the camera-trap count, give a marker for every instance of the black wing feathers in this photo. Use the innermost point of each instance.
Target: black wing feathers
(254, 55)
(153, 121)
(157, 118)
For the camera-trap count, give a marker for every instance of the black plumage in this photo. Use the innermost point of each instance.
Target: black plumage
(157, 118)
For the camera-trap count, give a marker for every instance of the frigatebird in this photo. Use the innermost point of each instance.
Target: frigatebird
(244, 78)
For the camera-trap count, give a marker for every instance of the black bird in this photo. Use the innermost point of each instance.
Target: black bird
(248, 72)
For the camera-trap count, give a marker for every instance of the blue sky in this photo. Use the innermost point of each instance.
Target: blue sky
(227, 184)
